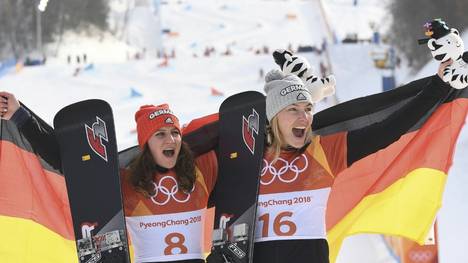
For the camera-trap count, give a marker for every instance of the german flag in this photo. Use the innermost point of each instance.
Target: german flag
(398, 147)
(35, 218)
(396, 173)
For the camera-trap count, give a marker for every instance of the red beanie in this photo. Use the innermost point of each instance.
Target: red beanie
(150, 118)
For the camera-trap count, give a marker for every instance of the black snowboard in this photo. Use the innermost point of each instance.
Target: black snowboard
(241, 141)
(86, 136)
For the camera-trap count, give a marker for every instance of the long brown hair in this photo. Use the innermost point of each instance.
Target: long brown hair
(143, 167)
(275, 139)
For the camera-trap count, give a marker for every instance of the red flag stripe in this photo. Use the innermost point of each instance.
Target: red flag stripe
(28, 191)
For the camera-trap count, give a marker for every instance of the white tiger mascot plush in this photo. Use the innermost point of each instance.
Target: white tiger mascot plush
(445, 43)
(319, 88)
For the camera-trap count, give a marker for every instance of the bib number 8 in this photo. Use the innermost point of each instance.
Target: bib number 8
(175, 240)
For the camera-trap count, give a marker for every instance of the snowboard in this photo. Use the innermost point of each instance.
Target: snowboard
(242, 121)
(86, 136)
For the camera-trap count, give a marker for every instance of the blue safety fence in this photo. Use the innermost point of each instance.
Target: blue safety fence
(6, 66)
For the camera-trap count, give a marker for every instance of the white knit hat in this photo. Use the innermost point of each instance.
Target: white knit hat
(283, 90)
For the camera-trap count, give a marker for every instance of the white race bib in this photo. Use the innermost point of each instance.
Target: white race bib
(292, 215)
(167, 237)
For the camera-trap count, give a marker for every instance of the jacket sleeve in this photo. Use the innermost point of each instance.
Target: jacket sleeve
(207, 164)
(39, 134)
(202, 134)
(374, 122)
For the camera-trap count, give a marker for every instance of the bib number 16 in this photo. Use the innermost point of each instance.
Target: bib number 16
(281, 225)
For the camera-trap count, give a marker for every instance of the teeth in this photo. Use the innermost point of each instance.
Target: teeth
(168, 153)
(302, 128)
(298, 131)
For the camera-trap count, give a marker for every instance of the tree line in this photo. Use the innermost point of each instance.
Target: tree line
(19, 20)
(409, 17)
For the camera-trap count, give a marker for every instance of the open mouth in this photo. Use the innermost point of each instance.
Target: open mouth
(298, 132)
(169, 152)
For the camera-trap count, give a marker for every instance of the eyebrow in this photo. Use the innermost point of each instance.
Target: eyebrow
(297, 105)
(164, 129)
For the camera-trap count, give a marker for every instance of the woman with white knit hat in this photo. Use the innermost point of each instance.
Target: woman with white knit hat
(289, 230)
(300, 167)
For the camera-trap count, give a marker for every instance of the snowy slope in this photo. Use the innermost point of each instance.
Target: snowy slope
(186, 82)
(242, 24)
(347, 18)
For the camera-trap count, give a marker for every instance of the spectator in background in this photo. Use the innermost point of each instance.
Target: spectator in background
(261, 74)
(323, 69)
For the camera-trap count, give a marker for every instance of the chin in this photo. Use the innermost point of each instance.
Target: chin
(170, 166)
(297, 144)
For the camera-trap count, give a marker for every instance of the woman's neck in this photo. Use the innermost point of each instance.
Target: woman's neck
(289, 148)
(161, 170)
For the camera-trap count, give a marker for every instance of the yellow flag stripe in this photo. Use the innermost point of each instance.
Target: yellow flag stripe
(406, 208)
(25, 241)
(200, 179)
(319, 154)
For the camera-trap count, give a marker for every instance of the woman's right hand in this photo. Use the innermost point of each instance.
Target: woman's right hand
(8, 105)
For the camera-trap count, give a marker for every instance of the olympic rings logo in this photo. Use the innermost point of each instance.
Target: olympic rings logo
(278, 173)
(160, 189)
(420, 256)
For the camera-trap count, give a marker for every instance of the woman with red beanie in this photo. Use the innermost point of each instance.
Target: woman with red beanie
(165, 189)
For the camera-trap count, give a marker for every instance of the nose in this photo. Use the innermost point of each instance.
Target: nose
(302, 114)
(170, 138)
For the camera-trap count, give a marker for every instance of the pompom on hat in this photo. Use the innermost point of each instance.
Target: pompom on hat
(436, 29)
(283, 90)
(150, 118)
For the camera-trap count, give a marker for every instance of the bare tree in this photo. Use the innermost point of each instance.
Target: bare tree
(409, 17)
(18, 22)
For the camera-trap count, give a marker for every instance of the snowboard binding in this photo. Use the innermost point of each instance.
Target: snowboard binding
(107, 247)
(230, 251)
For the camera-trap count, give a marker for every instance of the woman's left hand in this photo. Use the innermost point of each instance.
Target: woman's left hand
(8, 105)
(442, 66)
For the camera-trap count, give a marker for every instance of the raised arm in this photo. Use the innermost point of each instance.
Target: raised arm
(39, 134)
(372, 123)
